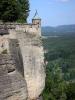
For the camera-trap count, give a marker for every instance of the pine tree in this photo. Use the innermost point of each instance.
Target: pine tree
(55, 85)
(13, 10)
(24, 10)
(8, 10)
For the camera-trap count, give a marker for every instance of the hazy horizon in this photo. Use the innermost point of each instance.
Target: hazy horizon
(56, 25)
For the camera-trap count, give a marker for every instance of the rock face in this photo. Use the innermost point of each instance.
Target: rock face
(22, 74)
(12, 84)
(33, 62)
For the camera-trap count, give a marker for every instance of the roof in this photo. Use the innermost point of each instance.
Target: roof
(36, 16)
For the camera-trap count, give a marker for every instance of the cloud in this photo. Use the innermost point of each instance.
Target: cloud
(63, 0)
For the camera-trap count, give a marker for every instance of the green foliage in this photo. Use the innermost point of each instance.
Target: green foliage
(60, 70)
(8, 10)
(55, 85)
(62, 51)
(70, 91)
(13, 10)
(24, 10)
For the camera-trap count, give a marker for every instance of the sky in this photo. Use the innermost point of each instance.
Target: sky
(53, 12)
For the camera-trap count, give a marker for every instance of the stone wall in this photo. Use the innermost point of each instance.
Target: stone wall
(10, 28)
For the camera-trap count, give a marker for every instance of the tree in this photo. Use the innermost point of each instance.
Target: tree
(55, 85)
(71, 91)
(24, 10)
(13, 10)
(8, 10)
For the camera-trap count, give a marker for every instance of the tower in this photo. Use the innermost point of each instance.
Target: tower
(36, 20)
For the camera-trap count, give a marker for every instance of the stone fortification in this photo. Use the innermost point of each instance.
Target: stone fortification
(6, 28)
(23, 73)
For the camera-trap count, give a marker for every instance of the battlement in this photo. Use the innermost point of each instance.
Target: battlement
(32, 28)
(13, 25)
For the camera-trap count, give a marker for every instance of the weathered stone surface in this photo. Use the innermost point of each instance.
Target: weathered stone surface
(12, 84)
(22, 76)
(33, 61)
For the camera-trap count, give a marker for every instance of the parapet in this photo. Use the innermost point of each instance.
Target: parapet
(25, 27)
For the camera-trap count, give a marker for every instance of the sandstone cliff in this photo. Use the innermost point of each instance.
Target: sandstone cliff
(12, 84)
(33, 61)
(22, 73)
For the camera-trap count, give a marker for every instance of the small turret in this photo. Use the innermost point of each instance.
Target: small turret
(36, 19)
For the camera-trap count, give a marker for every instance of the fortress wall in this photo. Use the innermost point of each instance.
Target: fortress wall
(29, 28)
(10, 28)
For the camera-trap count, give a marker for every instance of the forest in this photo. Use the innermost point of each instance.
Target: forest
(60, 68)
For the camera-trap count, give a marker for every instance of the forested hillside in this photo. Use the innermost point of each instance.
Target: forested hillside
(58, 30)
(60, 68)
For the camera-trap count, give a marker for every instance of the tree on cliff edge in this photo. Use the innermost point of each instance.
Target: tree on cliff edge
(13, 10)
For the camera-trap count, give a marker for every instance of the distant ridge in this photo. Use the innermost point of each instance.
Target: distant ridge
(58, 30)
